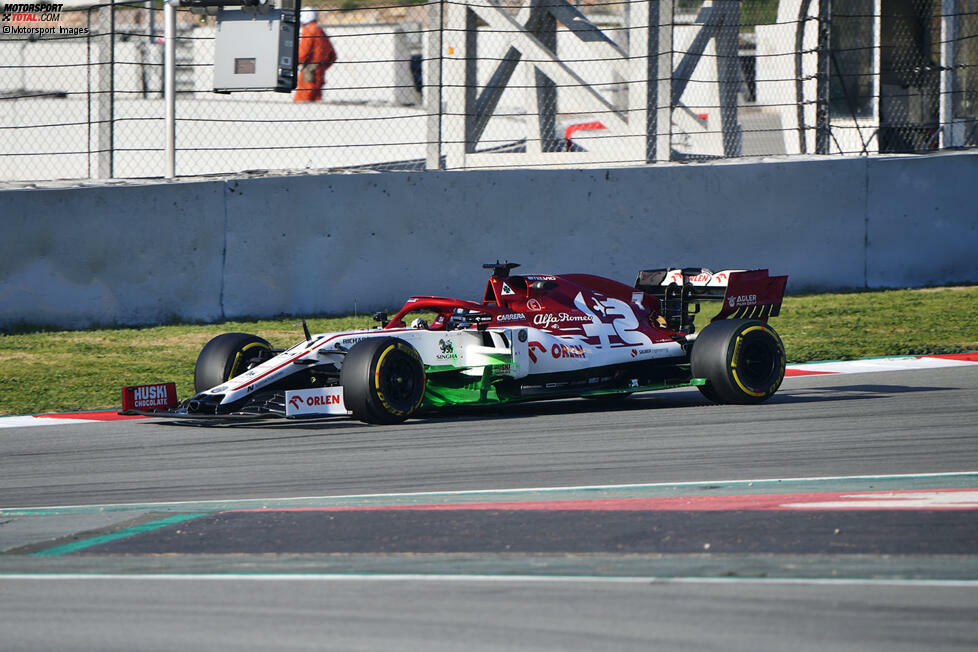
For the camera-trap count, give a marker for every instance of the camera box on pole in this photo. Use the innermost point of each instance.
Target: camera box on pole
(256, 47)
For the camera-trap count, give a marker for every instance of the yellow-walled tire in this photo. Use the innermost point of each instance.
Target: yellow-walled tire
(742, 360)
(383, 380)
(227, 356)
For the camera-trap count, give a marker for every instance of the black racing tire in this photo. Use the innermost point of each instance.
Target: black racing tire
(383, 380)
(742, 361)
(710, 394)
(227, 356)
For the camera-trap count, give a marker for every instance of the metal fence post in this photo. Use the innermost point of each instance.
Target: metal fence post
(823, 129)
(169, 73)
(457, 25)
(729, 75)
(101, 105)
(649, 38)
(434, 45)
(661, 127)
(949, 20)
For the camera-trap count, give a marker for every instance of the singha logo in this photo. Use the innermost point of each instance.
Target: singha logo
(447, 350)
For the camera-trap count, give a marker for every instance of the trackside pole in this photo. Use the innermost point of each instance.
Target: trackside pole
(432, 83)
(169, 61)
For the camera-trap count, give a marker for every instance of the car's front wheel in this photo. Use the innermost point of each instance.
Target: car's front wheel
(226, 356)
(383, 380)
(742, 361)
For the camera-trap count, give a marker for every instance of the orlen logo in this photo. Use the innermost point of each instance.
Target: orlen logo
(742, 300)
(315, 401)
(331, 399)
(567, 351)
(324, 400)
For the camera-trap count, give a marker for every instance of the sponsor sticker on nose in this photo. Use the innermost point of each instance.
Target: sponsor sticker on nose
(321, 400)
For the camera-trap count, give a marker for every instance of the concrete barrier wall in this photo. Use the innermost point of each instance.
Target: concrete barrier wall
(127, 255)
(922, 221)
(329, 244)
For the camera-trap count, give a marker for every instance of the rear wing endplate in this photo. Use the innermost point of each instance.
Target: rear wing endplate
(752, 295)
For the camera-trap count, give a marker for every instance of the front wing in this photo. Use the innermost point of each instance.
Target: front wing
(318, 403)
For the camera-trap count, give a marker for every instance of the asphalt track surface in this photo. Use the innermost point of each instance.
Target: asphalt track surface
(909, 580)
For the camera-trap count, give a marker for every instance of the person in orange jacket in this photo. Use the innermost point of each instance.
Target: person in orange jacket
(316, 55)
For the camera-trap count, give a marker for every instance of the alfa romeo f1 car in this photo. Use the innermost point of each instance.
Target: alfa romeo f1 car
(532, 337)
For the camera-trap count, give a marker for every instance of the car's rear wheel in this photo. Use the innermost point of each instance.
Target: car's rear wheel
(227, 356)
(742, 361)
(383, 380)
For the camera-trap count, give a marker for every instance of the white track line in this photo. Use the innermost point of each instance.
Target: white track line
(27, 421)
(198, 504)
(880, 364)
(416, 577)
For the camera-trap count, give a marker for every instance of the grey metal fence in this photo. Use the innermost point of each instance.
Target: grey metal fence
(497, 83)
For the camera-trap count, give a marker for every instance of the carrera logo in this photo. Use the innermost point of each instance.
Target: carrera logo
(742, 300)
(513, 316)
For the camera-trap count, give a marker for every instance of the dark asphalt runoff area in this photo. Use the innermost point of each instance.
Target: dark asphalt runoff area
(839, 515)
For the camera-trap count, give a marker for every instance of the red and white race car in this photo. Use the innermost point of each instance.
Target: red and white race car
(531, 337)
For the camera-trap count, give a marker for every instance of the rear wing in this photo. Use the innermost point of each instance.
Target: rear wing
(752, 294)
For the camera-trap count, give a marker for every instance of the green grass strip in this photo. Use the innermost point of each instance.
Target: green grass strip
(75, 546)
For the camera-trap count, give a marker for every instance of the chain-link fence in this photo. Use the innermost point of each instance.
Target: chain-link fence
(495, 83)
